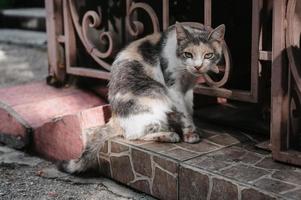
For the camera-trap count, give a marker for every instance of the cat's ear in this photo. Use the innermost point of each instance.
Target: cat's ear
(182, 33)
(218, 33)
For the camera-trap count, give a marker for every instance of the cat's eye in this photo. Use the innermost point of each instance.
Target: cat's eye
(209, 55)
(188, 55)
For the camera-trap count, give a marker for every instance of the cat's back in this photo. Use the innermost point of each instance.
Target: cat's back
(139, 61)
(142, 50)
(136, 68)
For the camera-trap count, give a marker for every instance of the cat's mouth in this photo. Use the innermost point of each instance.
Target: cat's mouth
(198, 72)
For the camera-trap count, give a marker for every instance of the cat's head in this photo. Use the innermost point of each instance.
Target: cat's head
(199, 51)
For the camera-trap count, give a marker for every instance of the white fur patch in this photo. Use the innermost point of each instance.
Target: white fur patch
(134, 126)
(178, 100)
(189, 101)
(74, 167)
(158, 76)
(169, 52)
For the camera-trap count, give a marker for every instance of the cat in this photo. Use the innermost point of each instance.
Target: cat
(151, 89)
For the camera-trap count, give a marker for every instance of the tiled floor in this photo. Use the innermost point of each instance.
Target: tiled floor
(225, 165)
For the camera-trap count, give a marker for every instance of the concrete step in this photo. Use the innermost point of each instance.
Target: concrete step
(224, 165)
(44, 118)
(24, 38)
(24, 18)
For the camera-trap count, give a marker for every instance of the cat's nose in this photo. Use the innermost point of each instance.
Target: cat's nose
(198, 67)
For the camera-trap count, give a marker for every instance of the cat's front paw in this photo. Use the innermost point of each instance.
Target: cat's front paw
(191, 137)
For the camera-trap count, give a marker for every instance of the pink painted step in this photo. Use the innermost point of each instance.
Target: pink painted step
(63, 137)
(48, 118)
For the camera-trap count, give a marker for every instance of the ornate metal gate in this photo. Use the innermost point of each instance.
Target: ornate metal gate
(73, 26)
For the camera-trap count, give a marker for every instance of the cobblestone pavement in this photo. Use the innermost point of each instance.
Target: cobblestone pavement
(27, 177)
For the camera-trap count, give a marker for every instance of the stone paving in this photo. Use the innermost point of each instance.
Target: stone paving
(224, 165)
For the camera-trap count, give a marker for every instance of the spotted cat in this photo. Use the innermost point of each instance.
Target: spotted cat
(151, 89)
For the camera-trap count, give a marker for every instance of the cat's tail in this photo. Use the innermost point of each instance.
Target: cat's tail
(96, 139)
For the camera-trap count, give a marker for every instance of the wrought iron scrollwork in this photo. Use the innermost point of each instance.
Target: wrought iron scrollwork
(135, 27)
(92, 19)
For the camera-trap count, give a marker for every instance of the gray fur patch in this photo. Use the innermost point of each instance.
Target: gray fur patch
(158, 127)
(126, 108)
(175, 120)
(187, 82)
(152, 128)
(130, 76)
(169, 80)
(150, 52)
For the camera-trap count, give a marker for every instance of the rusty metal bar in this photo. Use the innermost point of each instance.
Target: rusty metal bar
(70, 42)
(279, 88)
(208, 12)
(93, 73)
(240, 95)
(165, 8)
(54, 28)
(256, 8)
